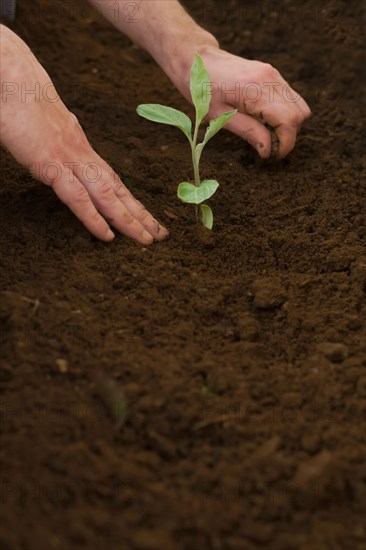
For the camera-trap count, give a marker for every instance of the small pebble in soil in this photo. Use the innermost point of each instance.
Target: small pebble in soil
(202, 291)
(291, 399)
(119, 283)
(339, 260)
(268, 294)
(336, 353)
(170, 214)
(62, 365)
(258, 532)
(311, 443)
(248, 329)
(354, 324)
(351, 373)
(314, 469)
(150, 539)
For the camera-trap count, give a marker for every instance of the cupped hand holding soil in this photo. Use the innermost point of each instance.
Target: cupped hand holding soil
(261, 95)
(257, 90)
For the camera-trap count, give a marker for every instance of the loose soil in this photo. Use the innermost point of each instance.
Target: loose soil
(242, 354)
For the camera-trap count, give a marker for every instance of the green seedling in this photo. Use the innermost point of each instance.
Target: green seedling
(111, 395)
(198, 192)
(206, 392)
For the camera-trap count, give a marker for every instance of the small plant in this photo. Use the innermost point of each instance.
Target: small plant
(200, 191)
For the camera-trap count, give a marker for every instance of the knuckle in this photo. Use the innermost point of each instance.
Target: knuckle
(80, 195)
(128, 218)
(144, 215)
(308, 113)
(106, 192)
(255, 77)
(75, 126)
(52, 174)
(294, 119)
(75, 129)
(73, 119)
(121, 190)
(268, 69)
(95, 219)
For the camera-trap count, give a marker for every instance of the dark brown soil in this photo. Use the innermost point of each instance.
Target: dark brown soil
(242, 355)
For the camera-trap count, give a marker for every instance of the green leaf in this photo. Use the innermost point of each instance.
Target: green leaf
(206, 216)
(189, 193)
(166, 115)
(200, 88)
(112, 396)
(216, 124)
(206, 392)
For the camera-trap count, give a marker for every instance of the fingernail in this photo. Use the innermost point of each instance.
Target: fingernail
(110, 235)
(163, 232)
(263, 152)
(148, 238)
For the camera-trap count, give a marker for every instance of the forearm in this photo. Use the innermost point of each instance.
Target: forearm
(161, 27)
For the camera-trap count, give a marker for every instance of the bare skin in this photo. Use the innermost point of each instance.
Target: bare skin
(261, 94)
(43, 135)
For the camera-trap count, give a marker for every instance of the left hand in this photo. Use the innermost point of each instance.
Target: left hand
(45, 137)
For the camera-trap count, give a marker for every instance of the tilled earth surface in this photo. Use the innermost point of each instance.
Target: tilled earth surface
(242, 354)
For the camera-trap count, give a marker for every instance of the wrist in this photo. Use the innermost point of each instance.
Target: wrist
(177, 65)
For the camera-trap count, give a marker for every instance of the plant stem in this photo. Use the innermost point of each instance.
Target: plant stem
(197, 179)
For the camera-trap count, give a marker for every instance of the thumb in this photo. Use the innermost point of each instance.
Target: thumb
(252, 131)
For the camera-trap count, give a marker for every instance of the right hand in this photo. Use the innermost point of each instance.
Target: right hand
(40, 131)
(275, 103)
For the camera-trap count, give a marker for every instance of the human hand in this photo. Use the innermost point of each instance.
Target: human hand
(40, 132)
(261, 96)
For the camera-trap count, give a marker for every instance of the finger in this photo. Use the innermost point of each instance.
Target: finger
(286, 134)
(295, 99)
(252, 131)
(285, 122)
(74, 195)
(137, 209)
(100, 188)
(305, 109)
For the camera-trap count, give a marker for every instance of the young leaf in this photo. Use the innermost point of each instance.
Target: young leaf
(112, 396)
(216, 124)
(206, 392)
(200, 88)
(166, 115)
(206, 216)
(189, 193)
